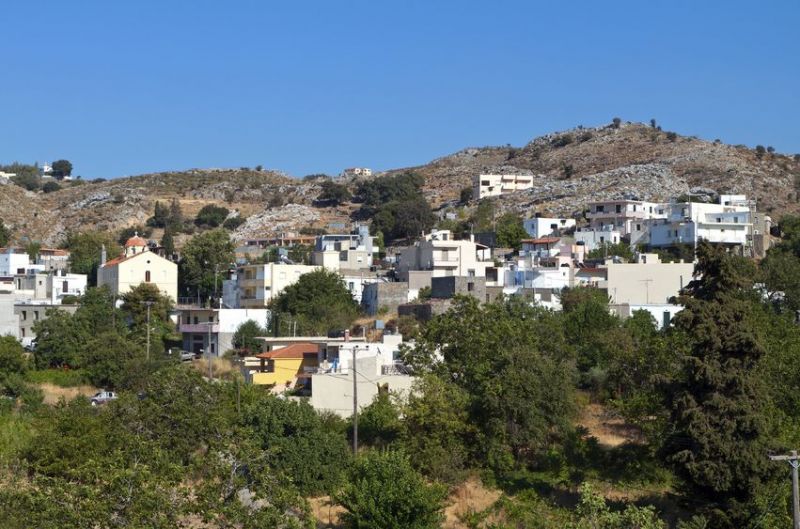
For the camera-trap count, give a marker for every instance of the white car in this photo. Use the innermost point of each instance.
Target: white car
(101, 397)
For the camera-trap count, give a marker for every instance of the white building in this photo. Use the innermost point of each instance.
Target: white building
(14, 261)
(689, 222)
(135, 266)
(345, 251)
(628, 217)
(205, 329)
(52, 286)
(352, 172)
(376, 366)
(592, 238)
(494, 185)
(646, 281)
(538, 227)
(438, 253)
(258, 284)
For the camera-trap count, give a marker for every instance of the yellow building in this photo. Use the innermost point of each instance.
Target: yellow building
(286, 366)
(138, 265)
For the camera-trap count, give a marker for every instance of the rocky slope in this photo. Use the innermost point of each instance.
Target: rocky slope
(570, 168)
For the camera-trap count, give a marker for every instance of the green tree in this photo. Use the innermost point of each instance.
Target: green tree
(384, 492)
(33, 249)
(301, 443)
(160, 216)
(135, 304)
(246, 337)
(465, 195)
(319, 301)
(62, 168)
(334, 193)
(84, 251)
(610, 250)
(211, 216)
(234, 222)
(13, 366)
(615, 123)
(379, 423)
(5, 234)
(510, 231)
(513, 361)
(112, 361)
(720, 419)
(202, 255)
(760, 151)
(168, 243)
(437, 430)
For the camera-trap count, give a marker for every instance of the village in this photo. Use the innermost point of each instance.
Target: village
(638, 253)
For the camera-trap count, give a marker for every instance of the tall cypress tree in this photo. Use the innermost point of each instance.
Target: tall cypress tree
(720, 415)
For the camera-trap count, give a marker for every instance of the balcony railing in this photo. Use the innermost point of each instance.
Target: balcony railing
(199, 327)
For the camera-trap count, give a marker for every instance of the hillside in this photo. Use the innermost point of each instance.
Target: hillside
(571, 168)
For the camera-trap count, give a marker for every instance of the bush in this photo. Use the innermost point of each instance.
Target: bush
(31, 182)
(760, 150)
(466, 195)
(233, 223)
(672, 136)
(51, 186)
(616, 122)
(563, 140)
(334, 193)
(384, 491)
(211, 216)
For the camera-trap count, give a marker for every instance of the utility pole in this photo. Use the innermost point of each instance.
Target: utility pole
(792, 458)
(149, 304)
(210, 363)
(355, 404)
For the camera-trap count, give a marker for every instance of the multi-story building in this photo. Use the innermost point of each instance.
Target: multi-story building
(257, 284)
(494, 185)
(135, 266)
(353, 172)
(376, 367)
(628, 217)
(211, 330)
(52, 286)
(689, 222)
(538, 227)
(345, 251)
(438, 253)
(27, 313)
(13, 262)
(593, 238)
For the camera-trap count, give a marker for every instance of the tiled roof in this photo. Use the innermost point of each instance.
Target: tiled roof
(135, 241)
(297, 351)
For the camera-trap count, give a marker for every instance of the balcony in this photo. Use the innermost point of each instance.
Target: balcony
(198, 328)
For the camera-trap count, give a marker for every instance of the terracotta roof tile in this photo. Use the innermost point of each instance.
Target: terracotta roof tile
(298, 351)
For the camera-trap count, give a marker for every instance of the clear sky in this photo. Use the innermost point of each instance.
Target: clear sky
(127, 87)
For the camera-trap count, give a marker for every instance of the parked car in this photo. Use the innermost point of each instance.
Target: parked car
(186, 356)
(101, 397)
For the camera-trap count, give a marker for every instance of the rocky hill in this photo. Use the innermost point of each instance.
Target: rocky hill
(570, 169)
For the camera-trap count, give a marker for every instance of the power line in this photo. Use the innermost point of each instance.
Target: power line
(793, 460)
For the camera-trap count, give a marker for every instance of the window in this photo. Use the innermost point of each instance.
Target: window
(666, 319)
(211, 319)
(470, 273)
(351, 285)
(719, 220)
(65, 286)
(470, 287)
(36, 315)
(651, 209)
(638, 227)
(618, 208)
(196, 320)
(147, 276)
(599, 209)
(602, 239)
(20, 271)
(553, 227)
(24, 315)
(736, 220)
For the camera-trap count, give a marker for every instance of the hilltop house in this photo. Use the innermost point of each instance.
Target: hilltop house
(135, 266)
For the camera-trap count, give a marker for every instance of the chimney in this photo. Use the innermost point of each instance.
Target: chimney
(103, 255)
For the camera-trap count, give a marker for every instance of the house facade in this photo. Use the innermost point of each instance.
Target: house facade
(443, 256)
(494, 185)
(547, 226)
(258, 284)
(206, 330)
(138, 265)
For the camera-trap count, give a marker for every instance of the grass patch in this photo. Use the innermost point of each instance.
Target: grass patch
(59, 377)
(15, 433)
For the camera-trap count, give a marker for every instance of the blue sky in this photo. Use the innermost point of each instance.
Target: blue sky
(123, 88)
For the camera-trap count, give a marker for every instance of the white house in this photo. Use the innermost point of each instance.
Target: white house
(438, 253)
(14, 261)
(345, 251)
(494, 185)
(376, 366)
(689, 222)
(206, 329)
(628, 217)
(592, 238)
(538, 227)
